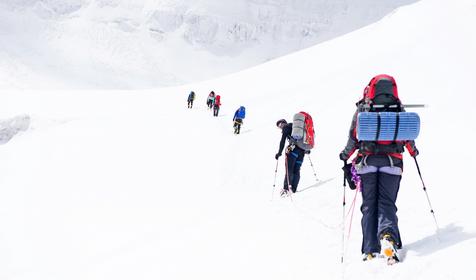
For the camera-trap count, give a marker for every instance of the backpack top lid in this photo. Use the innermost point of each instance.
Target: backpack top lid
(381, 85)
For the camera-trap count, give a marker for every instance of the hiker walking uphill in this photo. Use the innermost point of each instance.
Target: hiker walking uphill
(238, 119)
(216, 106)
(211, 100)
(300, 134)
(379, 164)
(190, 99)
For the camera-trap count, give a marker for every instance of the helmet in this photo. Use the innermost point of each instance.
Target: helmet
(281, 121)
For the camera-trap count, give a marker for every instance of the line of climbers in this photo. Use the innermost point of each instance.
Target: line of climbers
(214, 104)
(378, 136)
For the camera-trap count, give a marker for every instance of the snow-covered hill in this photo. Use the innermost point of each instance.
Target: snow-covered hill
(97, 43)
(133, 185)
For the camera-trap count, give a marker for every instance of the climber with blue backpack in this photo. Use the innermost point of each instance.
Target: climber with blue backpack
(300, 135)
(379, 135)
(238, 119)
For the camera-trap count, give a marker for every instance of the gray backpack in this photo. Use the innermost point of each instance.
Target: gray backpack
(303, 131)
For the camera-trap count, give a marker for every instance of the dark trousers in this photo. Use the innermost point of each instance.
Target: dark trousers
(237, 125)
(190, 104)
(293, 169)
(216, 108)
(379, 194)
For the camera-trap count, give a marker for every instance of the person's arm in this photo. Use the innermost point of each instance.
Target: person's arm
(286, 133)
(352, 142)
(410, 145)
(411, 148)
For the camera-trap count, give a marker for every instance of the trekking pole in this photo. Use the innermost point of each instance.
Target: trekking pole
(313, 170)
(343, 225)
(427, 197)
(275, 174)
(290, 191)
(415, 105)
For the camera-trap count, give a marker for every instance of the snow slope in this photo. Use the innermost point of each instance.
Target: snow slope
(94, 44)
(133, 185)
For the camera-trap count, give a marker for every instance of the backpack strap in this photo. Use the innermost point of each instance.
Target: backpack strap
(391, 161)
(397, 126)
(379, 124)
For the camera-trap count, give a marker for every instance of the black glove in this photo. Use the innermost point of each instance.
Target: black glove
(343, 156)
(348, 175)
(415, 153)
(307, 152)
(277, 156)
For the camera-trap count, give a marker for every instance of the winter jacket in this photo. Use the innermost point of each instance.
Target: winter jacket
(287, 130)
(210, 99)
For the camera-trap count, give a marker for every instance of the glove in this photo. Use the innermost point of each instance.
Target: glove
(307, 152)
(348, 175)
(277, 156)
(343, 156)
(415, 153)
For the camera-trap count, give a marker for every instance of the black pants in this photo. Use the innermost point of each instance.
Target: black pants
(379, 212)
(190, 104)
(216, 108)
(293, 168)
(237, 125)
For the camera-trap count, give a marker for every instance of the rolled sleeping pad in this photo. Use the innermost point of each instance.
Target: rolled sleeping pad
(387, 126)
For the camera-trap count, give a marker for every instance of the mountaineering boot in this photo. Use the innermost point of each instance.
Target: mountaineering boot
(369, 256)
(388, 249)
(284, 193)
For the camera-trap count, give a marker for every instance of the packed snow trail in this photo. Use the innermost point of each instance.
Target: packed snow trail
(147, 189)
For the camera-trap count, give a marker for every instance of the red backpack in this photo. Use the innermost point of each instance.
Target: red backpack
(383, 94)
(217, 100)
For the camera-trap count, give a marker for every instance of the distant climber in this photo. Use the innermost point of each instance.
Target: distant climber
(238, 119)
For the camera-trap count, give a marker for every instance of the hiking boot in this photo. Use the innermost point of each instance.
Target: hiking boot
(389, 249)
(284, 193)
(369, 256)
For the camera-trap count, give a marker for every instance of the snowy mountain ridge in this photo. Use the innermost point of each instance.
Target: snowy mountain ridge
(157, 41)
